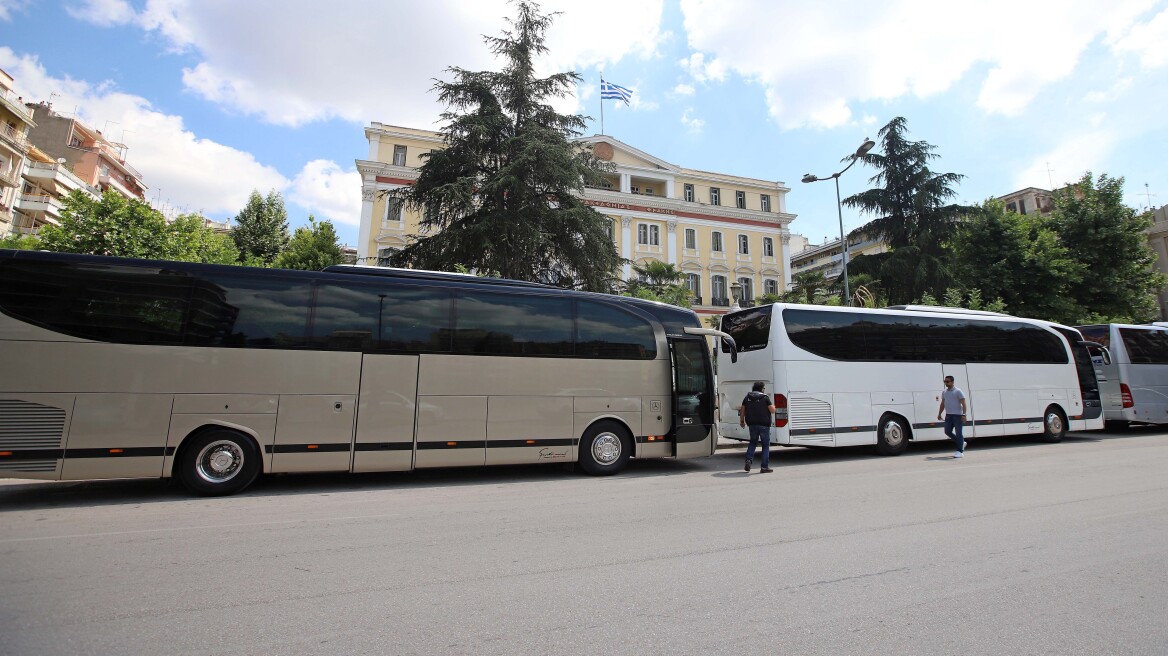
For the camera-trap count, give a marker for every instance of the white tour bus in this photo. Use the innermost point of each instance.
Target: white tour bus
(119, 368)
(849, 376)
(1133, 373)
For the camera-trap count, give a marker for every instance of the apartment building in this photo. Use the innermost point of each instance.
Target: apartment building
(45, 184)
(717, 229)
(828, 256)
(86, 152)
(15, 122)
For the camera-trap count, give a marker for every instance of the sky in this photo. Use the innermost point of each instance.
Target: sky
(216, 98)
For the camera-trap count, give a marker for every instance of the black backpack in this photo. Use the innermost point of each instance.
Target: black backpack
(757, 407)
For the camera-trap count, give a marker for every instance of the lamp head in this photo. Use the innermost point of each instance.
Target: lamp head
(807, 177)
(865, 147)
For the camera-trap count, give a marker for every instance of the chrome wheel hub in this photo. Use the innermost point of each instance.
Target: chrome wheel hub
(219, 461)
(606, 448)
(1054, 423)
(893, 433)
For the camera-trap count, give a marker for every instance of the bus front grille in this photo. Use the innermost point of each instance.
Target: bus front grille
(25, 425)
(28, 466)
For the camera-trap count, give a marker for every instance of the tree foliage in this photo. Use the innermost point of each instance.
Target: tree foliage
(1107, 239)
(312, 247)
(261, 228)
(501, 197)
(659, 281)
(115, 225)
(1018, 259)
(912, 214)
(20, 242)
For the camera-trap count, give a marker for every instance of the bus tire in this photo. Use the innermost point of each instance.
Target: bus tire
(892, 435)
(218, 462)
(605, 448)
(1054, 424)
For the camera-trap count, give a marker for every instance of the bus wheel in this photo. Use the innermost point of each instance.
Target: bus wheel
(892, 438)
(605, 449)
(1054, 425)
(218, 462)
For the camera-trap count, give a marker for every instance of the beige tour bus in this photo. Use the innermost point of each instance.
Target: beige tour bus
(120, 368)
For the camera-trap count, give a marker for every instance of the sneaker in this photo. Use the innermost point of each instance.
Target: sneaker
(765, 470)
(958, 454)
(747, 467)
(965, 445)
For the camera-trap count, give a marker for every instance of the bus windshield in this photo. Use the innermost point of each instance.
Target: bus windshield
(750, 329)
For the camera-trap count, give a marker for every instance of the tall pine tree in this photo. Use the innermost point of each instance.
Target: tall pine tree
(912, 214)
(261, 228)
(502, 197)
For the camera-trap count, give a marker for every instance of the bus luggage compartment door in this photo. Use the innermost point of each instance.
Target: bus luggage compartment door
(693, 402)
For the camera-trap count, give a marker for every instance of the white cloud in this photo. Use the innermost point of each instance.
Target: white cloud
(831, 56)
(1149, 41)
(1121, 85)
(365, 62)
(1074, 156)
(329, 191)
(103, 12)
(180, 169)
(683, 90)
(692, 125)
(10, 7)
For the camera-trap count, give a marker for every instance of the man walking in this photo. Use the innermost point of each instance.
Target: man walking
(755, 412)
(953, 407)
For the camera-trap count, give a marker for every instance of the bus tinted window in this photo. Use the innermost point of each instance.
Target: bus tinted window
(245, 309)
(116, 303)
(751, 329)
(512, 324)
(674, 320)
(1097, 334)
(1145, 346)
(381, 318)
(603, 331)
(900, 338)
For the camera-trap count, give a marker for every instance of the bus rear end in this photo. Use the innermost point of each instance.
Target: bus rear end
(752, 331)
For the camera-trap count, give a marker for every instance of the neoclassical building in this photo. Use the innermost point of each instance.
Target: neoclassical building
(718, 229)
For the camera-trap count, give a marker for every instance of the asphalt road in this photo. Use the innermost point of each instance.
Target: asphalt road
(1020, 548)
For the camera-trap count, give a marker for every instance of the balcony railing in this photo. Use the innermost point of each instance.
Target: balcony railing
(14, 137)
(9, 177)
(695, 300)
(720, 302)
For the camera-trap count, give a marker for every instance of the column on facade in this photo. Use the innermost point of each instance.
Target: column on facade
(671, 239)
(365, 232)
(626, 181)
(627, 243)
(669, 188)
(783, 259)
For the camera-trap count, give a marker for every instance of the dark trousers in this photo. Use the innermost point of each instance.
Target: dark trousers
(760, 434)
(953, 428)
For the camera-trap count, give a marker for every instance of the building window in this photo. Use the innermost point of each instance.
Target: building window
(384, 254)
(718, 290)
(634, 189)
(694, 282)
(399, 155)
(766, 202)
(689, 193)
(768, 247)
(715, 196)
(716, 242)
(1011, 207)
(740, 199)
(1021, 205)
(648, 235)
(743, 245)
(770, 287)
(747, 289)
(648, 191)
(393, 209)
(691, 239)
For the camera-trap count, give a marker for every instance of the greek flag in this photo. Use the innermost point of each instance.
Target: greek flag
(610, 91)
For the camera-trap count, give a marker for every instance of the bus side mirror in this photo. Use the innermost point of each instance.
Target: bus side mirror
(730, 346)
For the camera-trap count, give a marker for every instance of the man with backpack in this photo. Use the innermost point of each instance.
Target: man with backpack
(756, 412)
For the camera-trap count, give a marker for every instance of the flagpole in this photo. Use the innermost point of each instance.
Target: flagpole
(602, 103)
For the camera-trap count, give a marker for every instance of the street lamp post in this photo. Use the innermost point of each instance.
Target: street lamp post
(736, 292)
(861, 151)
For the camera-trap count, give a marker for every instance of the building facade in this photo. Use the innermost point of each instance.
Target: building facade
(45, 182)
(1030, 200)
(717, 229)
(828, 256)
(16, 120)
(1158, 240)
(86, 152)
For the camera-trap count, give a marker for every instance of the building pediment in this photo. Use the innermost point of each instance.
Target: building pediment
(607, 149)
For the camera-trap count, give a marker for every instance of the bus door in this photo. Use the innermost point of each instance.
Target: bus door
(972, 407)
(693, 398)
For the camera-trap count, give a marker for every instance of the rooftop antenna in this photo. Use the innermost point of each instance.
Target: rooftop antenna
(1049, 179)
(1148, 194)
(105, 128)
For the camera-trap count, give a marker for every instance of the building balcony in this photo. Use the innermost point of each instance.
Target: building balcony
(106, 180)
(14, 138)
(720, 302)
(9, 178)
(695, 300)
(59, 174)
(39, 204)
